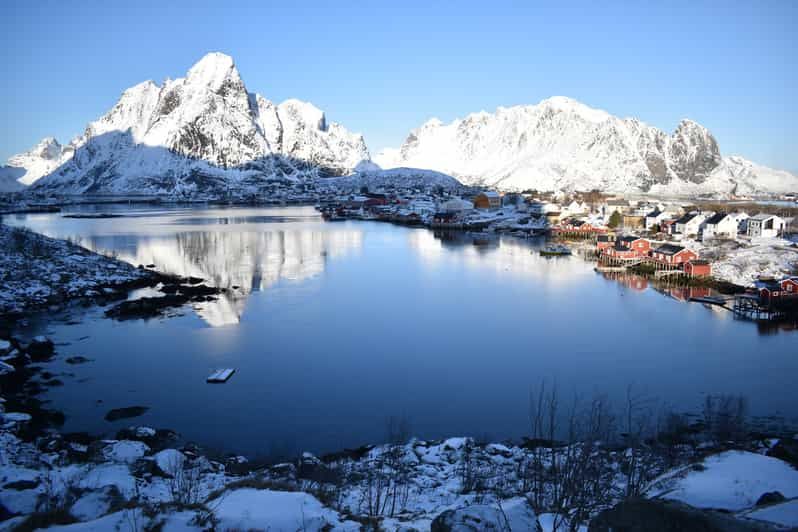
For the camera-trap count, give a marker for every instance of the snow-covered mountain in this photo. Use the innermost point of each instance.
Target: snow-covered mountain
(561, 144)
(202, 132)
(9, 179)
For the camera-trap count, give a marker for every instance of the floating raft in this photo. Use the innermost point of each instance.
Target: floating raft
(220, 375)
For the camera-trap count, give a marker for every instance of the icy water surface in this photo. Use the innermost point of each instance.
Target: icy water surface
(335, 327)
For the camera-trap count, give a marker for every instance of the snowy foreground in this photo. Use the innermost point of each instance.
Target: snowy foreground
(38, 272)
(126, 485)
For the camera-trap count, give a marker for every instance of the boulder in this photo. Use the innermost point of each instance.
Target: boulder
(512, 514)
(658, 515)
(786, 449)
(41, 348)
(770, 497)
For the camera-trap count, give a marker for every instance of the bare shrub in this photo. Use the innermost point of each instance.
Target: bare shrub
(184, 482)
(725, 417)
(571, 479)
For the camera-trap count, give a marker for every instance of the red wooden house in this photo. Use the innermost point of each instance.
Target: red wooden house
(698, 268)
(672, 256)
(620, 252)
(769, 292)
(640, 245)
(604, 242)
(789, 286)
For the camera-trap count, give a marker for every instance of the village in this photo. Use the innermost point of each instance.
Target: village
(752, 256)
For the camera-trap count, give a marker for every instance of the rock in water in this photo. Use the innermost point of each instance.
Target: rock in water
(41, 347)
(124, 413)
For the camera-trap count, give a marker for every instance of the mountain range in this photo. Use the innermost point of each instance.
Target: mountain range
(562, 144)
(206, 133)
(201, 133)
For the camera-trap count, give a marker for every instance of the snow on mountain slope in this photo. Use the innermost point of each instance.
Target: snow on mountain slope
(204, 132)
(562, 144)
(39, 161)
(9, 179)
(375, 178)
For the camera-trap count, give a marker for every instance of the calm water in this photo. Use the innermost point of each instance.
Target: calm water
(334, 327)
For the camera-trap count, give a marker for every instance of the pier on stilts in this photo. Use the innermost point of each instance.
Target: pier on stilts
(752, 307)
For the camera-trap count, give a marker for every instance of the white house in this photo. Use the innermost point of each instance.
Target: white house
(656, 217)
(742, 221)
(539, 208)
(689, 224)
(765, 225)
(720, 225)
(575, 208)
(455, 205)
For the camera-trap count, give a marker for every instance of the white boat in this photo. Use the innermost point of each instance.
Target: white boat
(553, 250)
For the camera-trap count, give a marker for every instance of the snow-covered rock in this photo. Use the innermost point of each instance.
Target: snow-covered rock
(202, 132)
(561, 144)
(277, 511)
(513, 514)
(169, 460)
(733, 481)
(15, 417)
(5, 369)
(125, 451)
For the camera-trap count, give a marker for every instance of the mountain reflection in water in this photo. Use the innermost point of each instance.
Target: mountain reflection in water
(241, 252)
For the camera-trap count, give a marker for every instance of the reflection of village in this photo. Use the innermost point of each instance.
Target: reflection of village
(641, 283)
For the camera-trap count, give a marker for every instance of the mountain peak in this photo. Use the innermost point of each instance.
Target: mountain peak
(213, 70)
(194, 134)
(47, 148)
(569, 105)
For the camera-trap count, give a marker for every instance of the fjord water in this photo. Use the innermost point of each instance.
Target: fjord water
(335, 327)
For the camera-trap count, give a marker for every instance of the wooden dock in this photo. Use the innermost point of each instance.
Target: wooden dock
(710, 300)
(220, 376)
(749, 307)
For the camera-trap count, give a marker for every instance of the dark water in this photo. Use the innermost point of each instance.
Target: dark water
(335, 327)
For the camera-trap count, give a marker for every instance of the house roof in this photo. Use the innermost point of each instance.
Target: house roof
(716, 218)
(654, 213)
(669, 249)
(762, 217)
(686, 218)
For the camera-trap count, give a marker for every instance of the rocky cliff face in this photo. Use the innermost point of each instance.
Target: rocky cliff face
(561, 144)
(202, 132)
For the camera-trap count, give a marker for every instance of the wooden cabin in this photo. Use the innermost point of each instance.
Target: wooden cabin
(698, 268)
(672, 256)
(487, 200)
(640, 245)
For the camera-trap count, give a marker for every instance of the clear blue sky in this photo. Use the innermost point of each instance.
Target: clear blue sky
(382, 68)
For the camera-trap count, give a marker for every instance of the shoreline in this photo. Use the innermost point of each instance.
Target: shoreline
(421, 482)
